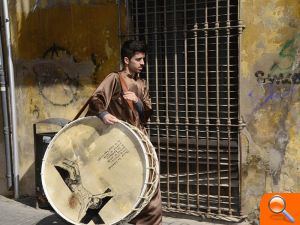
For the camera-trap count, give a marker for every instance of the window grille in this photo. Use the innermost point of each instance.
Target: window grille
(192, 69)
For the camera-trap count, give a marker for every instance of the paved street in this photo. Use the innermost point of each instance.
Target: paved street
(16, 213)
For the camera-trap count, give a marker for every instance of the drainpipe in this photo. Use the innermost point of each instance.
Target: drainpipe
(5, 118)
(15, 149)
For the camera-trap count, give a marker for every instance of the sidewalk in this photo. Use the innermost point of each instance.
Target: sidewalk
(16, 213)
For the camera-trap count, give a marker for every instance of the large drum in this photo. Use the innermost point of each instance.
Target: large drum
(94, 173)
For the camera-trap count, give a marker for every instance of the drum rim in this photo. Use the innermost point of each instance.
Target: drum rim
(71, 124)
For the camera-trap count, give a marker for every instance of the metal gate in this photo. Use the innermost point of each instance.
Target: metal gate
(192, 69)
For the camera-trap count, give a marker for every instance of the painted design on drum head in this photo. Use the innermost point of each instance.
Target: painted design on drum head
(90, 205)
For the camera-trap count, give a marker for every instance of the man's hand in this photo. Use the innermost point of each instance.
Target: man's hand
(129, 95)
(109, 119)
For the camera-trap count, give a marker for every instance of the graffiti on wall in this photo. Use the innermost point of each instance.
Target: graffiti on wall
(58, 75)
(52, 79)
(289, 56)
(278, 91)
(283, 77)
(272, 93)
(287, 69)
(288, 78)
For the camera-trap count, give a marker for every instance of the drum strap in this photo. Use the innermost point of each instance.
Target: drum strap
(85, 105)
(83, 108)
(134, 113)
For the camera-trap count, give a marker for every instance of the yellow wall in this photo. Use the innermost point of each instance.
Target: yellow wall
(58, 84)
(271, 139)
(270, 43)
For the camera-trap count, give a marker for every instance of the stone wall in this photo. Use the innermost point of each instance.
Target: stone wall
(269, 97)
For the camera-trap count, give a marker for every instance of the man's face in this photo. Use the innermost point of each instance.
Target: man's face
(136, 63)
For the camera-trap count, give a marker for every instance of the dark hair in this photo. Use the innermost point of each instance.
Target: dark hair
(130, 47)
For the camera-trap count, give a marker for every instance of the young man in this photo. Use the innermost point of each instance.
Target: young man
(124, 95)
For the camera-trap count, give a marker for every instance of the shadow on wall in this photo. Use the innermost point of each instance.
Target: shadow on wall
(27, 180)
(58, 77)
(72, 30)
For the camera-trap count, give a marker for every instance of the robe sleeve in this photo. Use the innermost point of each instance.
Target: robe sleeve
(101, 98)
(147, 107)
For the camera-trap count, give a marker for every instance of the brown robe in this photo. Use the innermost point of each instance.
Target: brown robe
(108, 97)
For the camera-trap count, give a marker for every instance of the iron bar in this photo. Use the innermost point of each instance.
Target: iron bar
(156, 82)
(176, 104)
(193, 205)
(137, 32)
(207, 121)
(208, 215)
(200, 124)
(167, 103)
(128, 11)
(218, 97)
(198, 29)
(146, 39)
(196, 103)
(228, 106)
(119, 29)
(202, 196)
(240, 120)
(147, 61)
(186, 105)
(224, 208)
(201, 159)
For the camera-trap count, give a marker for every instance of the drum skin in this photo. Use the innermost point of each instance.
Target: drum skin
(94, 173)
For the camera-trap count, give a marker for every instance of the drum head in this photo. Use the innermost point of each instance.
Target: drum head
(94, 173)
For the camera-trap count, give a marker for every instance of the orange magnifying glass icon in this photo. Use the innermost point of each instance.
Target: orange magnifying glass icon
(277, 205)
